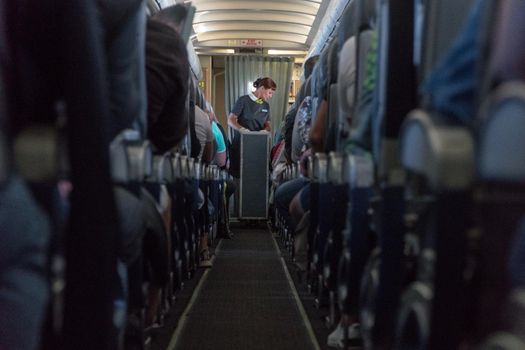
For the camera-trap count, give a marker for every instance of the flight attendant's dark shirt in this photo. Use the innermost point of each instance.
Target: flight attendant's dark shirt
(251, 114)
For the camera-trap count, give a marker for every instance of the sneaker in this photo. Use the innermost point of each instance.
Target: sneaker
(336, 338)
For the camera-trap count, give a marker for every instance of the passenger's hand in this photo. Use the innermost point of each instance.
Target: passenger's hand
(243, 129)
(303, 162)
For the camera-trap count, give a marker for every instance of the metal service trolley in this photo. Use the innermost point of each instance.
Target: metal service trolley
(254, 173)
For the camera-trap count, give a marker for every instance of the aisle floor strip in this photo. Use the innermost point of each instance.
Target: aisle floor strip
(196, 292)
(300, 306)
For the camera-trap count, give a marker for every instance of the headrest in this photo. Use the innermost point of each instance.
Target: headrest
(333, 62)
(321, 81)
(308, 86)
(314, 78)
(347, 76)
(304, 91)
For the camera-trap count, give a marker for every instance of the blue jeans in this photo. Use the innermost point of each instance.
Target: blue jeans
(284, 195)
(24, 289)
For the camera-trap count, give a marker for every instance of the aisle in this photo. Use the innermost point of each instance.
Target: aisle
(245, 301)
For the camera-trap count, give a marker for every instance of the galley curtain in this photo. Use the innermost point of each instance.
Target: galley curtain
(241, 70)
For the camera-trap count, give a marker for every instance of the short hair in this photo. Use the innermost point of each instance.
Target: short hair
(266, 82)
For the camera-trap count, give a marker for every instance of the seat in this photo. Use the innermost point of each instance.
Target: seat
(395, 96)
(439, 156)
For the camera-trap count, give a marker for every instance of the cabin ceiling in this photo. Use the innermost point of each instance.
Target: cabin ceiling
(261, 24)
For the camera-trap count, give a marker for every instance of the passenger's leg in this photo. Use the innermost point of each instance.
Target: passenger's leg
(299, 205)
(229, 190)
(204, 251)
(300, 217)
(284, 195)
(156, 255)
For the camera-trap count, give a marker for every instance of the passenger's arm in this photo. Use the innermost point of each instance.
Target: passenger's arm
(288, 132)
(220, 158)
(268, 126)
(207, 154)
(318, 130)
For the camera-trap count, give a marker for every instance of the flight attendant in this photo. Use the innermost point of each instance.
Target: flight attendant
(250, 113)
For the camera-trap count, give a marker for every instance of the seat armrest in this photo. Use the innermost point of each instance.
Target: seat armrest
(443, 154)
(359, 170)
(163, 168)
(320, 168)
(335, 168)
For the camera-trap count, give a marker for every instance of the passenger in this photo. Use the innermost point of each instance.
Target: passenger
(300, 202)
(290, 116)
(167, 74)
(219, 157)
(287, 191)
(167, 68)
(301, 129)
(250, 113)
(204, 132)
(222, 160)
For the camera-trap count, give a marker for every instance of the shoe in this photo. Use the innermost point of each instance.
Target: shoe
(205, 259)
(205, 264)
(336, 338)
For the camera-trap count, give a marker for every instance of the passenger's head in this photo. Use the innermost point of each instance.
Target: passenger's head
(167, 65)
(309, 66)
(265, 87)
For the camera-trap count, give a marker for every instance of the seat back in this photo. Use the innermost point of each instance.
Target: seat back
(4, 159)
(396, 83)
(365, 66)
(194, 149)
(441, 23)
(508, 51)
(319, 82)
(331, 135)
